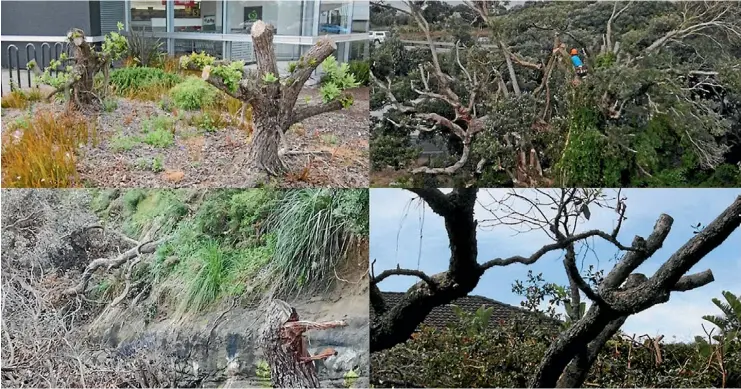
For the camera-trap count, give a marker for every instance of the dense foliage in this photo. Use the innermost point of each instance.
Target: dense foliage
(241, 243)
(649, 113)
(507, 354)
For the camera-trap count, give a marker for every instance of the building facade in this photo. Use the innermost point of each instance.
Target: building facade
(218, 27)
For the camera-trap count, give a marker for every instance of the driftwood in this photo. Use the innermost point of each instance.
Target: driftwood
(285, 348)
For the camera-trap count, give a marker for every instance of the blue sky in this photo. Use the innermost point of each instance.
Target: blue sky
(395, 238)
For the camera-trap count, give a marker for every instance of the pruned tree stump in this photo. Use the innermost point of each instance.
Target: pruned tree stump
(285, 348)
(273, 98)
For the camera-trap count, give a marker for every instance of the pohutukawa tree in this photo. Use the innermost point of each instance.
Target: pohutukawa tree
(274, 99)
(621, 293)
(75, 73)
(285, 348)
(516, 103)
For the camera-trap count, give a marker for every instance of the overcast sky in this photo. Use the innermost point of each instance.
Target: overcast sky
(680, 317)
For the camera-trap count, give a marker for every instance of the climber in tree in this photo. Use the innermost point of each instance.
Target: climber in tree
(581, 70)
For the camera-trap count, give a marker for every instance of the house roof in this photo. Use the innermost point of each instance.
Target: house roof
(441, 315)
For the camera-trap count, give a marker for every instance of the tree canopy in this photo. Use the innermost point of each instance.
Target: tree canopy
(615, 293)
(660, 104)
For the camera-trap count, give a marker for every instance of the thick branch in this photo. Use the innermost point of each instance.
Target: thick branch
(698, 247)
(303, 325)
(633, 259)
(399, 322)
(577, 371)
(376, 300)
(405, 272)
(438, 201)
(306, 67)
(694, 281)
(262, 40)
(110, 263)
(512, 74)
(302, 112)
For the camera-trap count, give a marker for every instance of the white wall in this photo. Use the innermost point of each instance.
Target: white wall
(361, 10)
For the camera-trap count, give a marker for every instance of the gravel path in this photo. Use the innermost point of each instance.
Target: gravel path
(216, 159)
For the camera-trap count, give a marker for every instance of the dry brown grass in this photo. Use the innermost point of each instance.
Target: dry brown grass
(20, 99)
(42, 152)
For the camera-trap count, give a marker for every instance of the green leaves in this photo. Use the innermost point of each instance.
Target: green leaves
(730, 321)
(340, 75)
(114, 44)
(197, 60)
(270, 78)
(231, 74)
(336, 79)
(329, 92)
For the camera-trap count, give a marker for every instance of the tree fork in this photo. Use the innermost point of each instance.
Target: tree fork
(273, 100)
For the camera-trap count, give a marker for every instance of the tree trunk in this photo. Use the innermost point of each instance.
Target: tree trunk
(273, 98)
(285, 350)
(87, 63)
(266, 140)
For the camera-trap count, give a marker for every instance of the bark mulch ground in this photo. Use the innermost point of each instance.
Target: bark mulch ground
(202, 158)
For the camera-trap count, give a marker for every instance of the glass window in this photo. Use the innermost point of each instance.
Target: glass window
(198, 15)
(360, 16)
(288, 16)
(188, 46)
(148, 15)
(334, 16)
(359, 50)
(284, 53)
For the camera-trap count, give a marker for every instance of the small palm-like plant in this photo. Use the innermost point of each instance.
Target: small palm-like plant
(144, 50)
(730, 321)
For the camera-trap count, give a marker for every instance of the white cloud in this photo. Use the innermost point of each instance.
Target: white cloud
(678, 320)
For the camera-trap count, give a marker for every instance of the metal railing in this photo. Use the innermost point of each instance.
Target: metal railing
(52, 47)
(48, 52)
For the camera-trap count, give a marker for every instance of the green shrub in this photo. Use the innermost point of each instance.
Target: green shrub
(144, 50)
(133, 80)
(159, 131)
(209, 121)
(193, 94)
(121, 142)
(361, 71)
(110, 105)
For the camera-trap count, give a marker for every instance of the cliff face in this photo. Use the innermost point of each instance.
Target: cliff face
(129, 328)
(220, 346)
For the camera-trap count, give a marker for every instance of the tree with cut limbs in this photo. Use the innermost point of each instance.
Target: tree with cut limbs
(620, 294)
(76, 73)
(516, 113)
(274, 99)
(285, 348)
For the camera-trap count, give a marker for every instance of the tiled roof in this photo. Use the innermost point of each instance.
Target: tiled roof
(440, 316)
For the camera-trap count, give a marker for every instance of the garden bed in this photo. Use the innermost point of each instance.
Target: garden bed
(133, 148)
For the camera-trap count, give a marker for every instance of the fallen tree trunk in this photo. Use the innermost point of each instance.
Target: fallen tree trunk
(285, 348)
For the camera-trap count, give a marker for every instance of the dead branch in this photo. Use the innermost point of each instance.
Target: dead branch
(110, 263)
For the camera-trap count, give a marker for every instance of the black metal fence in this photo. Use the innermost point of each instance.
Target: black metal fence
(18, 69)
